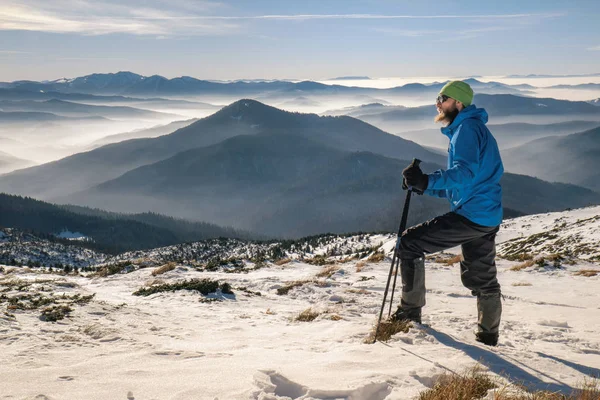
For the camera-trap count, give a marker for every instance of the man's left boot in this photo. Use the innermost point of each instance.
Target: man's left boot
(489, 310)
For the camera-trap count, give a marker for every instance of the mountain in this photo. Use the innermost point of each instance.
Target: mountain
(70, 109)
(291, 186)
(10, 163)
(155, 131)
(502, 108)
(507, 135)
(501, 105)
(551, 76)
(571, 159)
(363, 109)
(582, 86)
(107, 232)
(595, 102)
(244, 117)
(27, 116)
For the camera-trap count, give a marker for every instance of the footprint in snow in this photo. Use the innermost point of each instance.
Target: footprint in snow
(273, 383)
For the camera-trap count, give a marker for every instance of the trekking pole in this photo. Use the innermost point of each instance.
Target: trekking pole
(396, 256)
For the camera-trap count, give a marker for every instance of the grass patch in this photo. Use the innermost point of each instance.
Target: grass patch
(587, 272)
(113, 269)
(319, 260)
(521, 284)
(204, 286)
(519, 257)
(475, 384)
(55, 313)
(360, 265)
(282, 261)
(387, 329)
(447, 259)
(307, 315)
(170, 266)
(472, 385)
(378, 256)
(291, 285)
(328, 272)
(523, 265)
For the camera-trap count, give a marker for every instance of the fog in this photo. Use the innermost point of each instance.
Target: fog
(68, 132)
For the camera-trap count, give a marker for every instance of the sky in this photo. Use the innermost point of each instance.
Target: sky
(273, 39)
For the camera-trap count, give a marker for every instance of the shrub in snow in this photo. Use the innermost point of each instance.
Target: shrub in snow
(204, 286)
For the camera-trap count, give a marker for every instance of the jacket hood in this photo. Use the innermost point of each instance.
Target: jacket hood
(467, 113)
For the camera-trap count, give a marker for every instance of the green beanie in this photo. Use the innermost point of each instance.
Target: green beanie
(460, 91)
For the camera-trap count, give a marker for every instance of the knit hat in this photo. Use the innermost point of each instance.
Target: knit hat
(460, 91)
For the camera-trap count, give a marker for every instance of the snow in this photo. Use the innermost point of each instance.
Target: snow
(66, 234)
(245, 346)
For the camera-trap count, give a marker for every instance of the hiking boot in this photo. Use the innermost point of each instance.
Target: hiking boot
(491, 339)
(407, 314)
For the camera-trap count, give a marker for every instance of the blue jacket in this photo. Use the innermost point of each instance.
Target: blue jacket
(472, 181)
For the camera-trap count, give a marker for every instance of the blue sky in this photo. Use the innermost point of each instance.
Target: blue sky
(50, 39)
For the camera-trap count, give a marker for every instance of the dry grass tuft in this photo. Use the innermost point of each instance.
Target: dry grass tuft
(454, 260)
(170, 266)
(521, 284)
(521, 266)
(335, 317)
(519, 257)
(360, 265)
(475, 384)
(291, 285)
(387, 329)
(282, 261)
(587, 272)
(376, 257)
(357, 291)
(472, 385)
(445, 258)
(319, 260)
(307, 315)
(327, 272)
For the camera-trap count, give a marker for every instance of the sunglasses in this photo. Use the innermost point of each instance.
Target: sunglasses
(441, 98)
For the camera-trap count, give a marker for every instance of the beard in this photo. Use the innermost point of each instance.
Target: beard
(446, 118)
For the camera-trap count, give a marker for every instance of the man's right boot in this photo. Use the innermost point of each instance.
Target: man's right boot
(413, 290)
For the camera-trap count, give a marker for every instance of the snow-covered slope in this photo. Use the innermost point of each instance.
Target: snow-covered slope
(251, 345)
(17, 247)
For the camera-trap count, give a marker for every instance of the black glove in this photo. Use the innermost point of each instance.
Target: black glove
(415, 178)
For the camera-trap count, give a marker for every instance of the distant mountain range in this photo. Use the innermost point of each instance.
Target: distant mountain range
(128, 83)
(507, 135)
(551, 76)
(71, 109)
(10, 163)
(28, 116)
(583, 86)
(244, 117)
(571, 159)
(265, 170)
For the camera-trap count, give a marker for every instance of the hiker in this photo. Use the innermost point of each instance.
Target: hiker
(471, 183)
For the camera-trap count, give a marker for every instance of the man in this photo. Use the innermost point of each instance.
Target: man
(471, 183)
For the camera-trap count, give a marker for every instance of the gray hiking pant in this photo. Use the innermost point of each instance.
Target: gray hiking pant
(478, 270)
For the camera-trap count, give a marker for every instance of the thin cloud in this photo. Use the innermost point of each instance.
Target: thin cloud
(14, 52)
(184, 17)
(597, 48)
(89, 18)
(407, 32)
